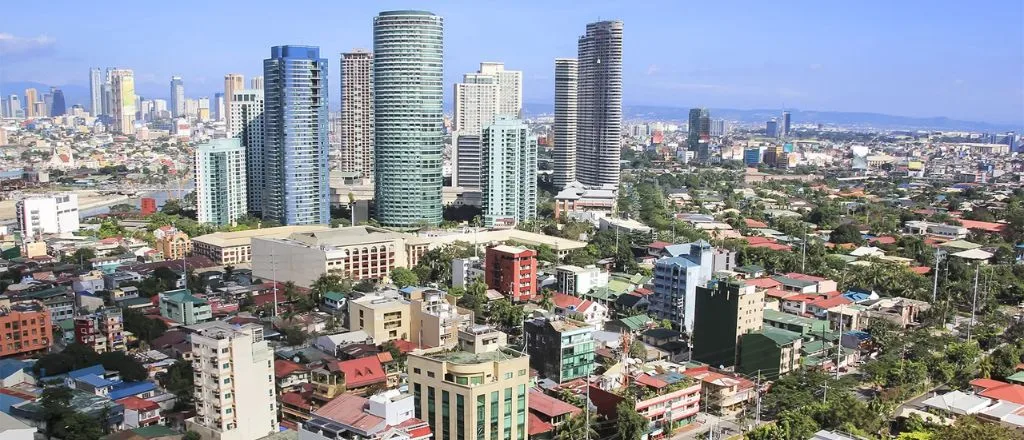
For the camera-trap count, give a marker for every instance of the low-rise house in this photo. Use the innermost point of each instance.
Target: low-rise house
(900, 311)
(389, 415)
(771, 351)
(183, 307)
(140, 412)
(669, 407)
(331, 343)
(724, 393)
(593, 313)
(547, 414)
(290, 375)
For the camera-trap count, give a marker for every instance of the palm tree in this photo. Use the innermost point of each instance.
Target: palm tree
(985, 367)
(545, 302)
(577, 428)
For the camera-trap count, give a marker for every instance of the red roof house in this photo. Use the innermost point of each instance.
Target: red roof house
(361, 372)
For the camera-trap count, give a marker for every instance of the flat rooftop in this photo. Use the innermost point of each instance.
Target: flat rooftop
(243, 238)
(467, 358)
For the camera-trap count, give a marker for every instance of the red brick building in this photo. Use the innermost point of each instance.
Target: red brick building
(148, 205)
(26, 329)
(512, 271)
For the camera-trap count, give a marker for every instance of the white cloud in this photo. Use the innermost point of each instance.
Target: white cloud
(12, 44)
(652, 69)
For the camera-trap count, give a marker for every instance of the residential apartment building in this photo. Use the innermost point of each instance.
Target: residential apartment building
(103, 330)
(560, 349)
(122, 83)
(220, 181)
(388, 415)
(226, 248)
(25, 327)
(356, 253)
(479, 99)
(435, 322)
(508, 182)
(564, 127)
(233, 83)
(466, 271)
(666, 410)
(57, 214)
(599, 104)
(357, 113)
(725, 311)
(408, 63)
(512, 271)
(174, 246)
(245, 112)
(467, 395)
(949, 232)
(182, 307)
(724, 392)
(384, 316)
(234, 382)
(295, 136)
(771, 352)
(677, 276)
(575, 280)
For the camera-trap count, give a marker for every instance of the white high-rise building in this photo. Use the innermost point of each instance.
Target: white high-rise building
(220, 181)
(246, 116)
(191, 109)
(509, 178)
(599, 104)
(122, 82)
(95, 91)
(256, 82)
(357, 113)
(564, 128)
(233, 82)
(55, 214)
(159, 107)
(479, 99)
(234, 382)
(177, 97)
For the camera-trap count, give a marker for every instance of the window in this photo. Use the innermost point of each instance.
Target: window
(460, 420)
(227, 380)
(431, 408)
(416, 399)
(508, 375)
(416, 370)
(445, 416)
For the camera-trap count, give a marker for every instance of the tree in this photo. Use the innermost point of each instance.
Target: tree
(329, 283)
(365, 286)
(142, 327)
(546, 302)
(630, 425)
(845, 233)
(970, 428)
(294, 336)
(129, 369)
(78, 426)
(192, 435)
(55, 402)
(403, 277)
(577, 427)
(637, 350)
(179, 381)
(81, 256)
(171, 207)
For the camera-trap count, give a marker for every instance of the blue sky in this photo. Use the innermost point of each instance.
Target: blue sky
(910, 57)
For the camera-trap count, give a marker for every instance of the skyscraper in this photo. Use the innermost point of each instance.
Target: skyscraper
(693, 130)
(477, 100)
(95, 92)
(234, 82)
(58, 107)
(246, 115)
(256, 82)
(357, 113)
(219, 109)
(509, 173)
(47, 104)
(295, 141)
(407, 91)
(599, 105)
(220, 181)
(122, 89)
(31, 98)
(177, 97)
(14, 109)
(771, 128)
(566, 82)
(705, 125)
(727, 310)
(785, 123)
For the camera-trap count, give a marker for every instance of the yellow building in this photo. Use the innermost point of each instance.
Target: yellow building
(31, 98)
(436, 321)
(385, 316)
(174, 246)
(479, 395)
(236, 247)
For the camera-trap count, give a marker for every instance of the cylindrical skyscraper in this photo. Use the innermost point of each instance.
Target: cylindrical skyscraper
(177, 97)
(95, 92)
(565, 121)
(408, 88)
(295, 142)
(599, 119)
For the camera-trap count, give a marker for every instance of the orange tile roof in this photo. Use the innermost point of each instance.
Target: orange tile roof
(1010, 393)
(138, 404)
(751, 223)
(361, 372)
(764, 283)
(564, 301)
(283, 368)
(550, 406)
(983, 226)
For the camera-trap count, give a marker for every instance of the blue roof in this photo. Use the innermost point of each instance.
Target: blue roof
(95, 370)
(859, 334)
(94, 381)
(6, 401)
(678, 261)
(856, 296)
(11, 366)
(125, 389)
(671, 377)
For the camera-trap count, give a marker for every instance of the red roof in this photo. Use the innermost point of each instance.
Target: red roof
(805, 277)
(404, 346)
(569, 302)
(640, 291)
(284, 368)
(772, 246)
(651, 381)
(362, 372)
(755, 240)
(1000, 390)
(983, 226)
(806, 298)
(763, 283)
(658, 245)
(348, 409)
(550, 406)
(778, 293)
(883, 240)
(297, 400)
(827, 303)
(921, 270)
(138, 404)
(751, 223)
(385, 357)
(537, 426)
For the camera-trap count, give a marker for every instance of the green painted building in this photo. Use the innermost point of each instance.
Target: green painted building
(725, 311)
(804, 326)
(771, 352)
(561, 349)
(181, 306)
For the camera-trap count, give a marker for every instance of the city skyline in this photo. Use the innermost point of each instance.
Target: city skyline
(821, 63)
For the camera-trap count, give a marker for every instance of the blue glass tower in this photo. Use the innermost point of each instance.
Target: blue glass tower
(59, 107)
(295, 136)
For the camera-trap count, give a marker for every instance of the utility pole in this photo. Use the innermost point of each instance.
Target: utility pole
(803, 257)
(757, 415)
(935, 283)
(974, 302)
(839, 343)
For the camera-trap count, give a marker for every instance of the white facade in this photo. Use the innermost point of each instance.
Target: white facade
(246, 116)
(122, 82)
(220, 181)
(510, 88)
(177, 97)
(575, 280)
(56, 214)
(479, 99)
(234, 382)
(564, 128)
(466, 270)
(357, 113)
(95, 95)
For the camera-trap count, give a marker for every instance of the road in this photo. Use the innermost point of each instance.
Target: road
(727, 427)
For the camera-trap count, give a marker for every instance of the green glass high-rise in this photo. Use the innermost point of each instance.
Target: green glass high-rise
(408, 88)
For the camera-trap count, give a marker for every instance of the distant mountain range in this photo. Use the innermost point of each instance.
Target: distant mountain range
(79, 94)
(759, 116)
